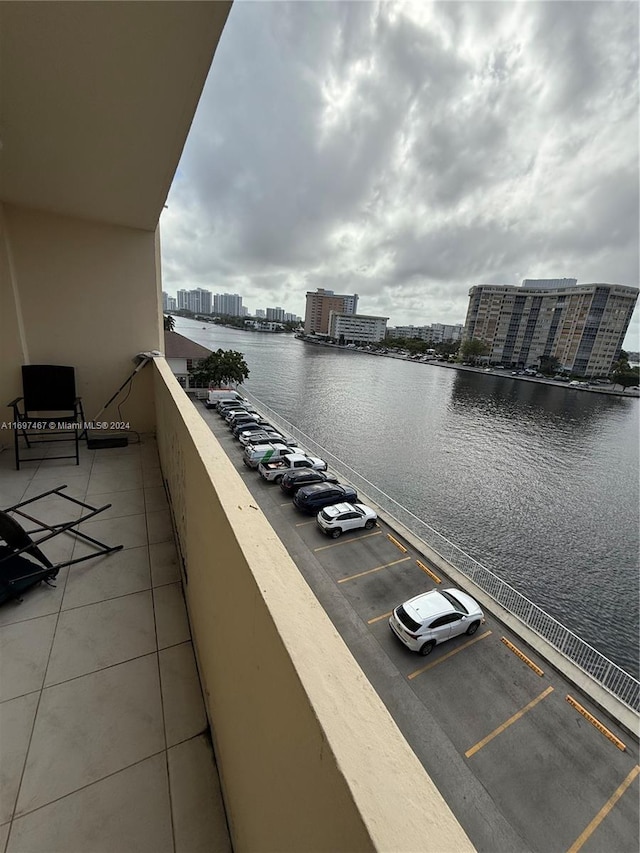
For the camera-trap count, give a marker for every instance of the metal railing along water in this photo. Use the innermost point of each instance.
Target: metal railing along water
(608, 674)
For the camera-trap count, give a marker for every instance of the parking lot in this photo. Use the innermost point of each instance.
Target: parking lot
(520, 766)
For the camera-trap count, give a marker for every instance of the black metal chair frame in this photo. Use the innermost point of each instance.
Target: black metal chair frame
(49, 421)
(15, 572)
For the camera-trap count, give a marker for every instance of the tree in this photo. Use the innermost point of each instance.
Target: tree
(221, 368)
(169, 323)
(549, 365)
(472, 349)
(625, 375)
(447, 348)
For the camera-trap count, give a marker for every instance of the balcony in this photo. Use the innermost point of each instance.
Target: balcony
(105, 742)
(103, 677)
(111, 732)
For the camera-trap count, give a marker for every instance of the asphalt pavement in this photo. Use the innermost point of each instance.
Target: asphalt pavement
(520, 766)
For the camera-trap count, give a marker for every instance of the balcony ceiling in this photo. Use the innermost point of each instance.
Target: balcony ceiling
(97, 100)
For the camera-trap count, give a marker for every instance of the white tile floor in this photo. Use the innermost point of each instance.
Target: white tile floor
(104, 743)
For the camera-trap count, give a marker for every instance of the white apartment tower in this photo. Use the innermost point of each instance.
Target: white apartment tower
(228, 303)
(275, 314)
(198, 300)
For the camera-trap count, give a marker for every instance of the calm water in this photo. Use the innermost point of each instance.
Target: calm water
(540, 484)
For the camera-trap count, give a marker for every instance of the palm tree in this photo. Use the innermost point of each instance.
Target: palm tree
(169, 323)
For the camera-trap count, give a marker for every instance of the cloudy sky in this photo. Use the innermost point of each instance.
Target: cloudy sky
(406, 151)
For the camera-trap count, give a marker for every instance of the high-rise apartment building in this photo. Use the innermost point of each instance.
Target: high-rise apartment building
(168, 302)
(228, 303)
(198, 300)
(581, 325)
(201, 301)
(275, 314)
(319, 306)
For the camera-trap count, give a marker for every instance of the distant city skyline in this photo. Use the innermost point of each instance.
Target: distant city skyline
(409, 151)
(316, 316)
(204, 301)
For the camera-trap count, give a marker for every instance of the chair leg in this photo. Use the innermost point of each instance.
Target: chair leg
(84, 433)
(76, 436)
(18, 418)
(17, 448)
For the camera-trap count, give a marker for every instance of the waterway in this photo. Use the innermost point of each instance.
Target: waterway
(539, 483)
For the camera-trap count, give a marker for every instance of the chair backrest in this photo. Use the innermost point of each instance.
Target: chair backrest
(17, 538)
(48, 388)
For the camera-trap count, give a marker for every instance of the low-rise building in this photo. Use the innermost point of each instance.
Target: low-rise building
(357, 328)
(182, 356)
(436, 333)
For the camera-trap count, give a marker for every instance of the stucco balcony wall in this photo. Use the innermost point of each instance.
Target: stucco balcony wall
(79, 293)
(308, 756)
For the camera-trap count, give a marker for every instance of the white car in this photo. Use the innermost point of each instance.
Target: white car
(335, 520)
(433, 617)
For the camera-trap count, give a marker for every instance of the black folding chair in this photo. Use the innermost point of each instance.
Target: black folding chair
(22, 562)
(49, 408)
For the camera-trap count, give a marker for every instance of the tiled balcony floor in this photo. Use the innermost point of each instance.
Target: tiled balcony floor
(104, 742)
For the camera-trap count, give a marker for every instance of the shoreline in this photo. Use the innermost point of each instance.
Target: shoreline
(503, 373)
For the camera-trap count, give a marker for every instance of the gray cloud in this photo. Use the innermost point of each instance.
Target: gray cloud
(408, 151)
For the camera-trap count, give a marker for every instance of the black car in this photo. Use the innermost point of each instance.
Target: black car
(249, 425)
(242, 419)
(295, 480)
(313, 498)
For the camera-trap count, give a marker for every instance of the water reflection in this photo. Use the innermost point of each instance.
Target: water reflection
(522, 398)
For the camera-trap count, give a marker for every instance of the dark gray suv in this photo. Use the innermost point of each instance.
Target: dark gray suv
(313, 498)
(295, 480)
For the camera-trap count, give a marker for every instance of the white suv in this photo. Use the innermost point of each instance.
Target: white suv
(433, 617)
(334, 520)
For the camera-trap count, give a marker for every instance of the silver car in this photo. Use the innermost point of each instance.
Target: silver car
(433, 617)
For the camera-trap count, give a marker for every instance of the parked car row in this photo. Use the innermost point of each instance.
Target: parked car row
(420, 623)
(301, 476)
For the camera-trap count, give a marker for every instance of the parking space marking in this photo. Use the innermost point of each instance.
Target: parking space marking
(508, 723)
(595, 722)
(428, 571)
(379, 618)
(522, 656)
(304, 523)
(604, 811)
(377, 569)
(347, 541)
(449, 655)
(396, 543)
